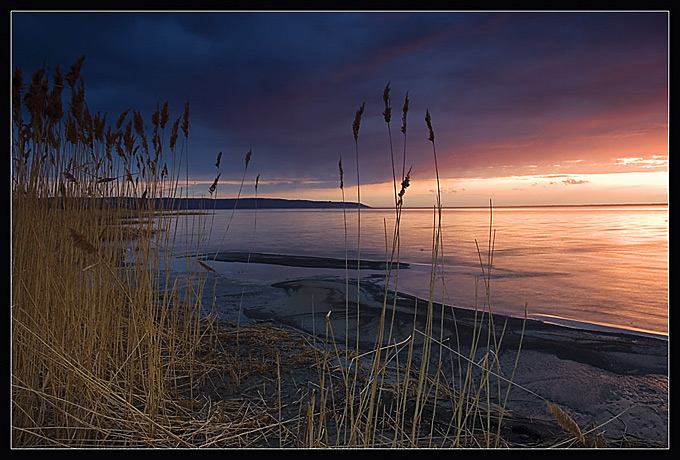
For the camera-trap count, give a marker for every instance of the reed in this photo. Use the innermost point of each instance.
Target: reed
(102, 336)
(395, 405)
(111, 348)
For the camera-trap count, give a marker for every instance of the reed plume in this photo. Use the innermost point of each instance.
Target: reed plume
(357, 121)
(404, 185)
(387, 114)
(185, 120)
(248, 155)
(214, 184)
(207, 267)
(139, 128)
(74, 74)
(81, 241)
(428, 121)
(566, 422)
(121, 119)
(17, 84)
(54, 106)
(174, 133)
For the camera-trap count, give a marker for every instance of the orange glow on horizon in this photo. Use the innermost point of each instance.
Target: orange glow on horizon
(519, 190)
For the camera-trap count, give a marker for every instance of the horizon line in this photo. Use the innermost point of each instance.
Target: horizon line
(530, 205)
(486, 206)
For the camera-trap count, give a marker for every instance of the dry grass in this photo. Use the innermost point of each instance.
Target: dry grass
(100, 333)
(111, 350)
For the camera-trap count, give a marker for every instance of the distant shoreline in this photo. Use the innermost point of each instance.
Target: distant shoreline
(209, 204)
(260, 203)
(280, 203)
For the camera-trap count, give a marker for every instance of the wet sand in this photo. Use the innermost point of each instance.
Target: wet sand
(612, 379)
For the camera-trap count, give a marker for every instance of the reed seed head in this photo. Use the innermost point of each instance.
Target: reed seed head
(404, 185)
(70, 177)
(428, 120)
(35, 99)
(99, 126)
(185, 121)
(214, 184)
(164, 115)
(139, 127)
(250, 152)
(77, 103)
(70, 131)
(156, 118)
(121, 119)
(81, 242)
(357, 121)
(128, 138)
(342, 185)
(54, 106)
(17, 83)
(404, 112)
(219, 158)
(174, 133)
(207, 267)
(73, 74)
(565, 422)
(386, 98)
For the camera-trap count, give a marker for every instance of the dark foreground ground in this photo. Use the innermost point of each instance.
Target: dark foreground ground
(613, 385)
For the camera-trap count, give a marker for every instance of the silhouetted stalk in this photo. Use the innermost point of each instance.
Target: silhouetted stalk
(355, 129)
(245, 274)
(238, 197)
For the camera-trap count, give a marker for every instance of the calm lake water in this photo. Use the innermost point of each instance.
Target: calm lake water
(598, 264)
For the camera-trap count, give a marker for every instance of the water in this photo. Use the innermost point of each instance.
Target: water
(604, 265)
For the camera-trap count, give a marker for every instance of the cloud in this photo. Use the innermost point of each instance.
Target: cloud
(509, 93)
(654, 161)
(574, 182)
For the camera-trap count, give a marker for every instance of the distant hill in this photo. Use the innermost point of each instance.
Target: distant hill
(259, 203)
(208, 204)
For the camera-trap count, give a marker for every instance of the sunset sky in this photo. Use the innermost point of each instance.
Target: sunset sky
(527, 107)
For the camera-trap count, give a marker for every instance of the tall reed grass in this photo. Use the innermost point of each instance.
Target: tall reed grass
(111, 348)
(103, 338)
(418, 391)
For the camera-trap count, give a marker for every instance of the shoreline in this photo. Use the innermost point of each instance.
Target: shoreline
(327, 265)
(608, 377)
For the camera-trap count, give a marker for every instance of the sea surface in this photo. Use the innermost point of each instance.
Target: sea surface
(601, 266)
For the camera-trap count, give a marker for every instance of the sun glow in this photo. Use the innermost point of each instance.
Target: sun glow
(519, 190)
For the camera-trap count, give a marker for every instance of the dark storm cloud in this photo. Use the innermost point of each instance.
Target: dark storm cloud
(501, 87)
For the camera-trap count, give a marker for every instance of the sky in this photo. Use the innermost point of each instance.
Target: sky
(527, 107)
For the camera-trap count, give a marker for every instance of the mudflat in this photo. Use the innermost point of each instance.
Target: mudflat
(617, 382)
(611, 381)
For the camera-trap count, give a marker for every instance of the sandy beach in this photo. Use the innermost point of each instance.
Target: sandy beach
(611, 380)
